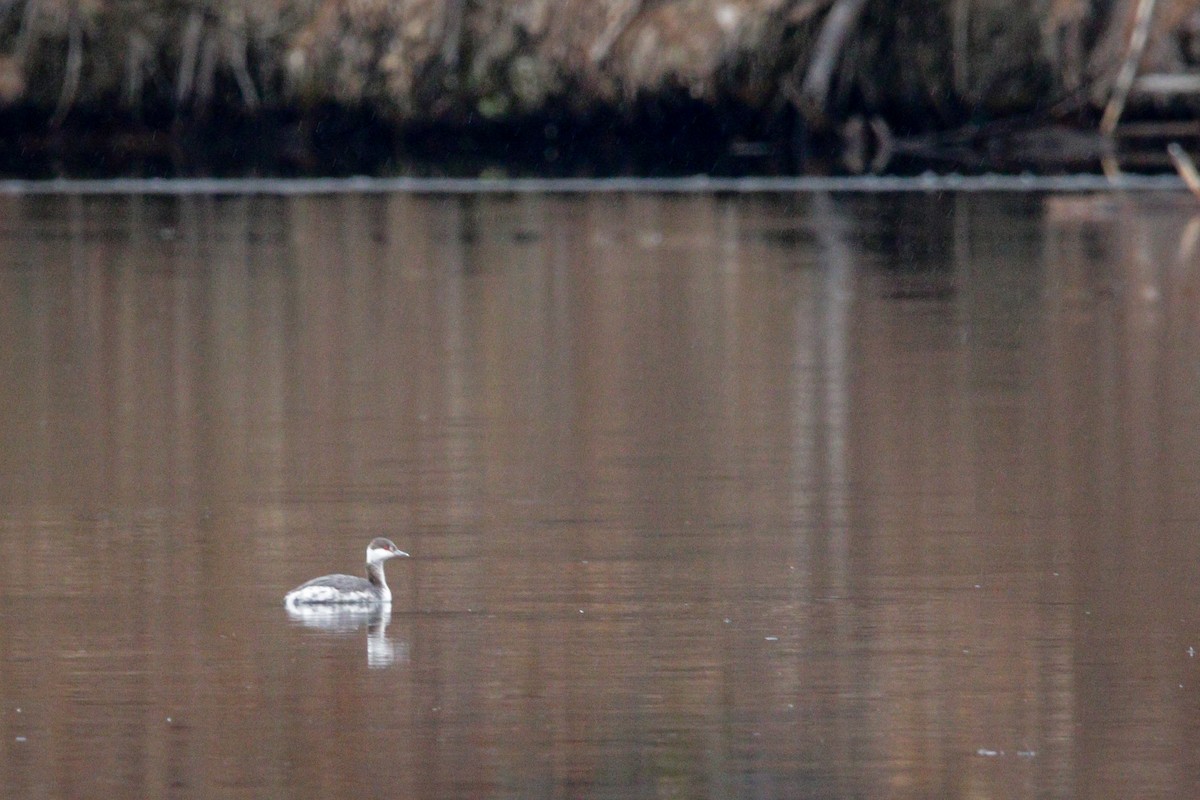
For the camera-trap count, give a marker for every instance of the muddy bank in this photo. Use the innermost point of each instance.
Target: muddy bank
(695, 85)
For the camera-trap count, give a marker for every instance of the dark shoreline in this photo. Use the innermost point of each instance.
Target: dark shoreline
(597, 88)
(667, 141)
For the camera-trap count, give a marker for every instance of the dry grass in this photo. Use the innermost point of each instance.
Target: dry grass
(430, 58)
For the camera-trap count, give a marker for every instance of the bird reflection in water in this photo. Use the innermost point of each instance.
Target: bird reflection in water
(346, 619)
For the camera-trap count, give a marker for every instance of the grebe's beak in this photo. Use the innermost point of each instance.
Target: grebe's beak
(400, 553)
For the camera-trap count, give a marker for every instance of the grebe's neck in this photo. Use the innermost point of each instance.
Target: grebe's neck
(377, 579)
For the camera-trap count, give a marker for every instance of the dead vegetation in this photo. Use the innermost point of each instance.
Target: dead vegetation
(856, 68)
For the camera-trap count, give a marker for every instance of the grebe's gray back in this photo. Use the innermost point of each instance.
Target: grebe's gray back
(348, 589)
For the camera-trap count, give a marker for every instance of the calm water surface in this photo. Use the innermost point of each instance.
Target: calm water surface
(769, 496)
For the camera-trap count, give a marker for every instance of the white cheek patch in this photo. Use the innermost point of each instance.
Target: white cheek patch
(377, 555)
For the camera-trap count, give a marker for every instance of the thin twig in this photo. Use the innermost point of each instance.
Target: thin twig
(801, 10)
(1110, 165)
(885, 144)
(137, 50)
(452, 27)
(74, 68)
(1185, 167)
(604, 43)
(961, 45)
(189, 53)
(206, 70)
(235, 50)
(1186, 253)
(28, 26)
(839, 23)
(1128, 71)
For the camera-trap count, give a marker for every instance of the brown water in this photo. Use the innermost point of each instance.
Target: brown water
(708, 496)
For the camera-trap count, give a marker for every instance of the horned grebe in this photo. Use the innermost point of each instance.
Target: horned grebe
(347, 589)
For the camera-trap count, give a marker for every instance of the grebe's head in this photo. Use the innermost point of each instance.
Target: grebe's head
(380, 550)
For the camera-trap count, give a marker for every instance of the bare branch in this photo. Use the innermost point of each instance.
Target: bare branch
(206, 69)
(839, 23)
(235, 53)
(28, 26)
(961, 45)
(452, 32)
(801, 10)
(189, 53)
(604, 44)
(1185, 167)
(1133, 57)
(137, 51)
(74, 68)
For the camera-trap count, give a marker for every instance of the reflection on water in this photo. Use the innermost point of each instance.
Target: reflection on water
(708, 496)
(343, 619)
